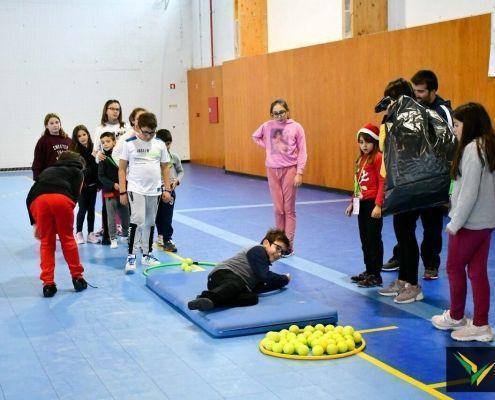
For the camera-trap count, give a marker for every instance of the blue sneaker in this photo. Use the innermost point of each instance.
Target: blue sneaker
(130, 265)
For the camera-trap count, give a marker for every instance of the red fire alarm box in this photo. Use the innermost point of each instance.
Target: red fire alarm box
(213, 110)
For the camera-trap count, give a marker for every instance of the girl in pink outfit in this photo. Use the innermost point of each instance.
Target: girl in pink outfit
(285, 144)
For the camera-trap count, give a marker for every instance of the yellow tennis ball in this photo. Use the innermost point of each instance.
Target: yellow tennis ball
(329, 328)
(342, 346)
(332, 349)
(320, 327)
(294, 329)
(350, 344)
(357, 337)
(275, 336)
(183, 266)
(288, 348)
(188, 261)
(302, 339)
(317, 350)
(302, 350)
(267, 344)
(348, 330)
(277, 348)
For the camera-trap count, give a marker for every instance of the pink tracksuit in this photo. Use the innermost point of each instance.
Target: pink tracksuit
(285, 145)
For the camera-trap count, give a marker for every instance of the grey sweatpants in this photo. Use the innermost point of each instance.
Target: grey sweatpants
(143, 214)
(114, 207)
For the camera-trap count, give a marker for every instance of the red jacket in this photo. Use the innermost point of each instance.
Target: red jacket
(369, 179)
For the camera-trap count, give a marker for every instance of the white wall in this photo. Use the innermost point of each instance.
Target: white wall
(298, 23)
(70, 56)
(409, 13)
(223, 32)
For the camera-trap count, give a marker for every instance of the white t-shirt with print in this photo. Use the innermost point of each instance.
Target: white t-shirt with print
(144, 170)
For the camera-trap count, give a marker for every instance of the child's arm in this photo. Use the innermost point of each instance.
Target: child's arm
(468, 193)
(302, 155)
(122, 182)
(377, 211)
(39, 158)
(259, 135)
(179, 169)
(260, 265)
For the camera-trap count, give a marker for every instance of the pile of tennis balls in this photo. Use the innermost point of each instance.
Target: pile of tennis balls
(187, 265)
(315, 340)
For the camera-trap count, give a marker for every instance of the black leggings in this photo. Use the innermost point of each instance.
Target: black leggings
(405, 231)
(226, 289)
(86, 203)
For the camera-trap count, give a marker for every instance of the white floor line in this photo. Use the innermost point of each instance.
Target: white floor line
(419, 309)
(299, 203)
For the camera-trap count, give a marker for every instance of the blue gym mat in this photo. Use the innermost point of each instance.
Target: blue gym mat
(275, 310)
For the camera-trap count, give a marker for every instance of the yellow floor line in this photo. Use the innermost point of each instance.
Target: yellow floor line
(444, 384)
(385, 328)
(391, 370)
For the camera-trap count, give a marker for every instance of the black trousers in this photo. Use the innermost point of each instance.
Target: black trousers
(164, 218)
(226, 289)
(431, 246)
(405, 232)
(86, 203)
(370, 232)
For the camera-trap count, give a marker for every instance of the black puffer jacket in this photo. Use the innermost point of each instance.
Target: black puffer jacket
(65, 177)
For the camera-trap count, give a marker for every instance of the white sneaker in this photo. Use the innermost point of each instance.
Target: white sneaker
(445, 322)
(92, 238)
(150, 260)
(80, 238)
(130, 265)
(114, 244)
(472, 332)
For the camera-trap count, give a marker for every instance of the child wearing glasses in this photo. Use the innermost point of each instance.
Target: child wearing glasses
(143, 163)
(237, 281)
(285, 144)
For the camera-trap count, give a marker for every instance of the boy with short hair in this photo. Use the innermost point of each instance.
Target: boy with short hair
(237, 281)
(51, 203)
(144, 162)
(166, 210)
(108, 174)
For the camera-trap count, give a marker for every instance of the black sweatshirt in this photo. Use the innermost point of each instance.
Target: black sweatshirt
(64, 177)
(108, 172)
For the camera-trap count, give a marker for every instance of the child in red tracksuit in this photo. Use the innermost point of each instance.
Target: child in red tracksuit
(51, 203)
(367, 205)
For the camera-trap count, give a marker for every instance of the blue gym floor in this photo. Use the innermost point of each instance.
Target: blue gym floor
(120, 341)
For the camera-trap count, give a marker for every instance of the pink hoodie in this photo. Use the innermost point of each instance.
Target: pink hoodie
(284, 142)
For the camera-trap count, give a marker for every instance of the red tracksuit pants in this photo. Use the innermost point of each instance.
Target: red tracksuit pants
(54, 215)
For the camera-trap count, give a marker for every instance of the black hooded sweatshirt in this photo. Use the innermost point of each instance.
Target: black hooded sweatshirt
(64, 177)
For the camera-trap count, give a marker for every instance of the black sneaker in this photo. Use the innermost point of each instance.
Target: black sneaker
(370, 281)
(430, 274)
(391, 265)
(80, 284)
(201, 304)
(169, 246)
(49, 290)
(106, 241)
(360, 277)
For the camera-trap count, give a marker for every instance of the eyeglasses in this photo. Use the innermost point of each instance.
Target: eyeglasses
(279, 248)
(279, 113)
(113, 109)
(148, 133)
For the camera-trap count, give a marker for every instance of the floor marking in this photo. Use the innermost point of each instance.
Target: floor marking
(299, 203)
(419, 309)
(373, 330)
(444, 384)
(391, 370)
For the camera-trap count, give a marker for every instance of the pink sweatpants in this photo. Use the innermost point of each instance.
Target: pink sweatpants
(469, 248)
(283, 192)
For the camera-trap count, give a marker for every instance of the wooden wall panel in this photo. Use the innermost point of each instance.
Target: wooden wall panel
(369, 16)
(206, 140)
(252, 31)
(332, 90)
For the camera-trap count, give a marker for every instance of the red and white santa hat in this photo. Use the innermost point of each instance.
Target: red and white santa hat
(371, 130)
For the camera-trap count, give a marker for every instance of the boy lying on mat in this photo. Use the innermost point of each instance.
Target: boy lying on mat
(237, 281)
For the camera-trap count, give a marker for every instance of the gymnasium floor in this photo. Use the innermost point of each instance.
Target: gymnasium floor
(120, 341)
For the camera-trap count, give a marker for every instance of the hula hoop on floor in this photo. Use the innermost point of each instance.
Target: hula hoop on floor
(177, 264)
